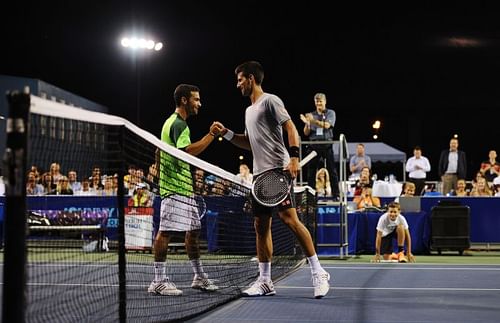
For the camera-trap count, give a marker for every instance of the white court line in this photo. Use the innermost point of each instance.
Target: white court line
(401, 288)
(412, 268)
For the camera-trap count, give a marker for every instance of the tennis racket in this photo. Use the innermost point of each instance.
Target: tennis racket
(272, 187)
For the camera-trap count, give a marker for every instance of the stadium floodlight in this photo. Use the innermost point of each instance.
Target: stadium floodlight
(137, 46)
(141, 43)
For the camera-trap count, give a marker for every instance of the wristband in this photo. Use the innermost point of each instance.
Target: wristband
(294, 151)
(228, 135)
(211, 134)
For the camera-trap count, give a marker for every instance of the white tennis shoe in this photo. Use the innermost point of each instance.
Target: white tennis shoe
(164, 288)
(204, 284)
(260, 288)
(321, 284)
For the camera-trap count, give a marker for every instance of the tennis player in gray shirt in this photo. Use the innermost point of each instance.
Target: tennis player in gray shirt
(265, 120)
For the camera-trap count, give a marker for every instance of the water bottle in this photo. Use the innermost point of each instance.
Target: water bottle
(386, 178)
(392, 179)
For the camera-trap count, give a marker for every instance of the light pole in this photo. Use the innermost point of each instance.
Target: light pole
(137, 46)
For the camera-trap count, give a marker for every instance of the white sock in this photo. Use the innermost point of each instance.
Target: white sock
(265, 271)
(198, 268)
(314, 264)
(160, 272)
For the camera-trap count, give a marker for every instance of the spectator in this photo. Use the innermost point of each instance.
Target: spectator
(359, 161)
(244, 176)
(481, 188)
(452, 166)
(32, 187)
(408, 190)
(461, 188)
(417, 167)
(48, 185)
(63, 187)
(76, 186)
(318, 126)
(363, 181)
(323, 188)
(490, 168)
(366, 199)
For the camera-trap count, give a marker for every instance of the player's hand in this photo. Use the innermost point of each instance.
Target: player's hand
(375, 258)
(216, 128)
(293, 166)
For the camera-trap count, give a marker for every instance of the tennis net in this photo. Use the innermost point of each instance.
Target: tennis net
(74, 240)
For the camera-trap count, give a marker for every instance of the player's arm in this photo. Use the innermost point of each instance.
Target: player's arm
(198, 147)
(293, 143)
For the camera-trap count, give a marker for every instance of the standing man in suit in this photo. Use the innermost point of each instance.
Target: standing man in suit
(452, 166)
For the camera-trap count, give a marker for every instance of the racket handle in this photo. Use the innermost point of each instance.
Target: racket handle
(306, 159)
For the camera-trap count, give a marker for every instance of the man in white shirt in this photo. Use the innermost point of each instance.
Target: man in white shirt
(417, 167)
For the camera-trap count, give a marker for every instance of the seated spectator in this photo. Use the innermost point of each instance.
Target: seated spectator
(364, 180)
(48, 185)
(96, 183)
(141, 197)
(323, 187)
(32, 187)
(200, 187)
(481, 188)
(108, 189)
(366, 199)
(490, 168)
(73, 181)
(408, 190)
(55, 171)
(461, 188)
(63, 187)
(244, 176)
(391, 226)
(86, 189)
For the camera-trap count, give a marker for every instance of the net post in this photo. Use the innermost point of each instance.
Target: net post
(122, 277)
(15, 159)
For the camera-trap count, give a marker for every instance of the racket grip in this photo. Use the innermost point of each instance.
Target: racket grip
(306, 159)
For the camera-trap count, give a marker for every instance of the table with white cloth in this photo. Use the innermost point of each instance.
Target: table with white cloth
(386, 189)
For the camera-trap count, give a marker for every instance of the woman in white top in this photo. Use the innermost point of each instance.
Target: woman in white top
(244, 176)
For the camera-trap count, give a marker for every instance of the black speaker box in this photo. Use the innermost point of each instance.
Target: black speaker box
(450, 228)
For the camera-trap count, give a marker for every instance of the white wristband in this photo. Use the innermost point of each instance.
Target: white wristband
(228, 135)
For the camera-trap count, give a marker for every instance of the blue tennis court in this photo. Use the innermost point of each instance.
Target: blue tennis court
(384, 292)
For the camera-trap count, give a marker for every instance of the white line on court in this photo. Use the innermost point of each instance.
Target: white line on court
(412, 268)
(400, 288)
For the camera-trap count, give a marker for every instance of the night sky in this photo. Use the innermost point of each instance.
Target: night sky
(411, 67)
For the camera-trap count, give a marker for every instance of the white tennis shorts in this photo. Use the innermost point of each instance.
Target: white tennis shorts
(179, 213)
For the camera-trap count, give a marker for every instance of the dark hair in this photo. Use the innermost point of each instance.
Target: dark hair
(394, 205)
(184, 90)
(251, 68)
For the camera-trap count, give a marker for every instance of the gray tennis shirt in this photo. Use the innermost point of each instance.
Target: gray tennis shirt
(263, 126)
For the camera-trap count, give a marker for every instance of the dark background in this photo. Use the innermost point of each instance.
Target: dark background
(427, 72)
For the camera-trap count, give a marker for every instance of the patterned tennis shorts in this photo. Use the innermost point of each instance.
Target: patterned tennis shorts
(179, 213)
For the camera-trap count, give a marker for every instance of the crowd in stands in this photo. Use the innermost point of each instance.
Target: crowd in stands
(452, 170)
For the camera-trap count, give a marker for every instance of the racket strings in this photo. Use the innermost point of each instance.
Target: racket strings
(272, 187)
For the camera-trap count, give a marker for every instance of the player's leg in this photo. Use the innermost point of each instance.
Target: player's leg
(161, 284)
(262, 224)
(320, 276)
